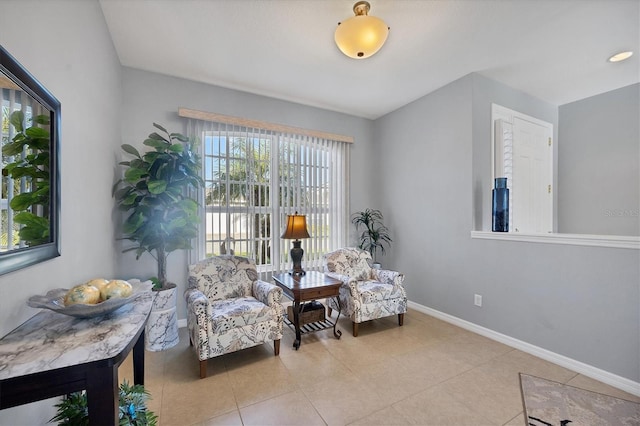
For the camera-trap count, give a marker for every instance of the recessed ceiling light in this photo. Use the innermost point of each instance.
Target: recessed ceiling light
(621, 56)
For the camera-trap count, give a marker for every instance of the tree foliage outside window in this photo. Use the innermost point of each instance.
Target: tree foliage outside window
(241, 179)
(250, 180)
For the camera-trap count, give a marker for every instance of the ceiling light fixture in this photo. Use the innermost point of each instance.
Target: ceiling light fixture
(362, 35)
(621, 56)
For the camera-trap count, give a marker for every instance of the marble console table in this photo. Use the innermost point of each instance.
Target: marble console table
(52, 354)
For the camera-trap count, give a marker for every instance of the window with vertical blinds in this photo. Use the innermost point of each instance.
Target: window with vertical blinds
(256, 175)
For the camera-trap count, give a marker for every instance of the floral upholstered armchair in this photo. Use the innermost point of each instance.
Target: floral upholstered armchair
(366, 293)
(229, 308)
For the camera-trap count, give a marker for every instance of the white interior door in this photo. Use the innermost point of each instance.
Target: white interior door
(530, 191)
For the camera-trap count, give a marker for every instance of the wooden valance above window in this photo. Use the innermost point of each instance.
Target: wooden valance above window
(257, 124)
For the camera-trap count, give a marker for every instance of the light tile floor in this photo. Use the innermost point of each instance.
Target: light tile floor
(427, 372)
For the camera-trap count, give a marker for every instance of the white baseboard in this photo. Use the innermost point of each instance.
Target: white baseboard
(182, 323)
(603, 376)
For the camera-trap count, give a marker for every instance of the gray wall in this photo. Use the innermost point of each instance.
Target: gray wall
(151, 97)
(580, 302)
(599, 164)
(66, 46)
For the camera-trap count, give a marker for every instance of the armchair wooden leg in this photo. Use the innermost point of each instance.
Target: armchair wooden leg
(355, 329)
(329, 311)
(400, 319)
(203, 369)
(276, 347)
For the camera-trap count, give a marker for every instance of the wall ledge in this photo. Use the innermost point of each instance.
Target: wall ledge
(603, 376)
(613, 241)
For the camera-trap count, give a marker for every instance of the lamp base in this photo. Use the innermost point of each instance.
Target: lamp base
(296, 256)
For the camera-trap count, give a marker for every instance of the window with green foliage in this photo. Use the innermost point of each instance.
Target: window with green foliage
(255, 177)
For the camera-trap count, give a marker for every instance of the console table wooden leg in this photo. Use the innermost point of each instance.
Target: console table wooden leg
(138, 360)
(103, 396)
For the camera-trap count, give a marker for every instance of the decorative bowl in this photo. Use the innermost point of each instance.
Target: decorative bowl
(54, 300)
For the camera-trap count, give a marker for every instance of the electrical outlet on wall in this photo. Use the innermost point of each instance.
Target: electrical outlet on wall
(477, 300)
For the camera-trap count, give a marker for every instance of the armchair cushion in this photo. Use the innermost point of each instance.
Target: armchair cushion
(239, 312)
(388, 277)
(374, 291)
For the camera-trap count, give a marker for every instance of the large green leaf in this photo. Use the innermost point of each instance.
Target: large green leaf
(28, 218)
(41, 119)
(138, 163)
(18, 170)
(16, 119)
(34, 235)
(37, 132)
(158, 126)
(42, 191)
(131, 150)
(22, 201)
(157, 186)
(39, 159)
(156, 143)
(176, 147)
(189, 205)
(179, 136)
(14, 148)
(130, 199)
(35, 229)
(133, 174)
(122, 193)
(156, 136)
(133, 222)
(177, 223)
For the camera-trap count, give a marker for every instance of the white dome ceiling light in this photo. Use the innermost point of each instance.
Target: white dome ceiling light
(362, 35)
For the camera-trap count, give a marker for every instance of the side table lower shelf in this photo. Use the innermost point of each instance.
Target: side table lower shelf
(312, 327)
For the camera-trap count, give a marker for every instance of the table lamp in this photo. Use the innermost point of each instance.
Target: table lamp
(296, 229)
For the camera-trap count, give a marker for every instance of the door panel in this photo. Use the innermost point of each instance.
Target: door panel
(532, 177)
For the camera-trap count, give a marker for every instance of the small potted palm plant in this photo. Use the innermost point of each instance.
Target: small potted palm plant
(73, 409)
(375, 235)
(160, 217)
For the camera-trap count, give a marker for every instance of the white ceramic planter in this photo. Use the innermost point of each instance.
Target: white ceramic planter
(161, 331)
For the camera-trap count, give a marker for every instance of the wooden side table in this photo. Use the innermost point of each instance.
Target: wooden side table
(52, 354)
(311, 286)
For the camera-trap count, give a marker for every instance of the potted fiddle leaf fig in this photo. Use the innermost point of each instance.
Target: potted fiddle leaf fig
(160, 216)
(375, 235)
